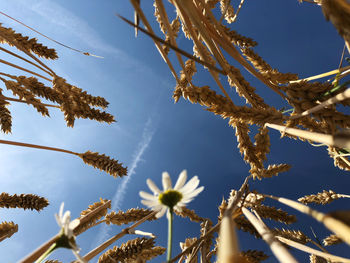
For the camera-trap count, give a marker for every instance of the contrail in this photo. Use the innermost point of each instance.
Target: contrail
(119, 195)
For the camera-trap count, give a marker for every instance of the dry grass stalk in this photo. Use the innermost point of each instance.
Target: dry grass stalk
(131, 215)
(339, 141)
(37, 88)
(262, 143)
(25, 201)
(140, 13)
(264, 68)
(254, 256)
(52, 261)
(208, 242)
(5, 116)
(272, 170)
(127, 251)
(338, 12)
(310, 250)
(276, 247)
(104, 205)
(334, 224)
(26, 60)
(331, 240)
(295, 235)
(316, 259)
(190, 255)
(273, 213)
(336, 99)
(243, 224)
(7, 229)
(238, 39)
(148, 254)
(191, 214)
(103, 162)
(93, 253)
(25, 95)
(323, 198)
(245, 145)
(228, 250)
(227, 11)
(9, 36)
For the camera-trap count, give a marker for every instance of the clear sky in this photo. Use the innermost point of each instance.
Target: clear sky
(152, 134)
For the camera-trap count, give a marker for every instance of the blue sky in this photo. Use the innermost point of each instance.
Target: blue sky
(152, 134)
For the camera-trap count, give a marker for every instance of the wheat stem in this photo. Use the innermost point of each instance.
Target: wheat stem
(26, 70)
(36, 146)
(173, 47)
(149, 28)
(331, 140)
(276, 247)
(23, 101)
(26, 60)
(93, 253)
(338, 98)
(312, 251)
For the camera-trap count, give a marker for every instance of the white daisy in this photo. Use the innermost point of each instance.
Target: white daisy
(172, 198)
(67, 228)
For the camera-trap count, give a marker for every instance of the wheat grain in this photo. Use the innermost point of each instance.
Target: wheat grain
(191, 214)
(5, 116)
(254, 256)
(131, 215)
(7, 229)
(9, 36)
(25, 201)
(129, 250)
(331, 240)
(103, 162)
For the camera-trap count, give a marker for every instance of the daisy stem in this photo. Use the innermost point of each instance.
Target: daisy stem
(47, 252)
(170, 233)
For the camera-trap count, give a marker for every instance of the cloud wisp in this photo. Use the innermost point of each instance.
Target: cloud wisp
(120, 193)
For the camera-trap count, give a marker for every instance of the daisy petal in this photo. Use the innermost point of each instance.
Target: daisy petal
(58, 220)
(181, 180)
(74, 224)
(60, 214)
(166, 181)
(190, 185)
(194, 193)
(149, 203)
(161, 212)
(153, 186)
(147, 196)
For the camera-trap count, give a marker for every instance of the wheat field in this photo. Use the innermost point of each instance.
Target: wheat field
(251, 97)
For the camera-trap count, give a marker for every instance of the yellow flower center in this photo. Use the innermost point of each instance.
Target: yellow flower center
(170, 198)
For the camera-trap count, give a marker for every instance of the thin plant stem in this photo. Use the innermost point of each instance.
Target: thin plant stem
(149, 28)
(170, 233)
(23, 101)
(26, 70)
(312, 251)
(93, 253)
(27, 53)
(173, 47)
(26, 60)
(276, 247)
(215, 228)
(36, 253)
(36, 146)
(332, 140)
(47, 253)
(329, 73)
(59, 43)
(40, 250)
